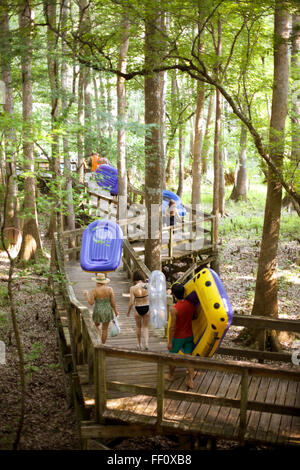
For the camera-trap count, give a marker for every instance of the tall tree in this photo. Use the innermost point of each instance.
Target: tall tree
(70, 216)
(83, 27)
(170, 170)
(266, 289)
(121, 95)
(180, 158)
(164, 25)
(239, 190)
(12, 221)
(31, 241)
(53, 74)
(217, 141)
(295, 89)
(198, 134)
(153, 164)
(206, 139)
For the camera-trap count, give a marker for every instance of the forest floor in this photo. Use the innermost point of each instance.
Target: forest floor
(49, 421)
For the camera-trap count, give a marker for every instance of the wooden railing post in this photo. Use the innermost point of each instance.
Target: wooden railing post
(243, 408)
(160, 390)
(100, 384)
(262, 342)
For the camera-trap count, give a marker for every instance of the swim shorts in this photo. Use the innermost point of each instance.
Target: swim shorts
(184, 344)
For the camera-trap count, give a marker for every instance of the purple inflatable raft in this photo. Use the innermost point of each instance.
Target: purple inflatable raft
(107, 178)
(101, 247)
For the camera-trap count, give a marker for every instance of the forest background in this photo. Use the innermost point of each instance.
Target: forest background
(187, 96)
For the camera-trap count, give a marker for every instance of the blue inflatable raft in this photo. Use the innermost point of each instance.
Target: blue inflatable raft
(101, 247)
(107, 178)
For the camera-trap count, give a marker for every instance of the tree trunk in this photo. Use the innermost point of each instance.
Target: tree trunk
(83, 28)
(12, 222)
(295, 88)
(52, 60)
(164, 24)
(266, 290)
(98, 110)
(222, 184)
(31, 241)
(196, 185)
(170, 170)
(217, 143)
(80, 117)
(181, 159)
(239, 191)
(153, 165)
(109, 109)
(121, 94)
(88, 132)
(70, 216)
(205, 145)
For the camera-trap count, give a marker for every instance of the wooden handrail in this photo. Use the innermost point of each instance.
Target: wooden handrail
(245, 369)
(129, 255)
(104, 198)
(258, 322)
(204, 363)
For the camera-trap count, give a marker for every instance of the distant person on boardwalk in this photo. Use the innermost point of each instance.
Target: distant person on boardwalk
(97, 160)
(172, 212)
(180, 331)
(139, 299)
(103, 299)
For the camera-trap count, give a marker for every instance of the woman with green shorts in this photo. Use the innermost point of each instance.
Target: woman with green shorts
(103, 299)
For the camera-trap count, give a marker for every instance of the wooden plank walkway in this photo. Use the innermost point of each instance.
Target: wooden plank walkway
(192, 418)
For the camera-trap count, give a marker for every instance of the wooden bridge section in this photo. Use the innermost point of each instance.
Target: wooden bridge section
(119, 391)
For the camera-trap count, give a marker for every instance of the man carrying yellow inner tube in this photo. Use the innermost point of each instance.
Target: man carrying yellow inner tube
(180, 331)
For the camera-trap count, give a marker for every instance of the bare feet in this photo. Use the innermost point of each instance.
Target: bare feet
(189, 383)
(169, 377)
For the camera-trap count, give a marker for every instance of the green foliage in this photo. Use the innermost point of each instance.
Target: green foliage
(4, 300)
(39, 266)
(53, 366)
(246, 218)
(289, 226)
(3, 320)
(33, 356)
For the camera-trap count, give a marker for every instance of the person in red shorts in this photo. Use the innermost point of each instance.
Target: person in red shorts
(180, 331)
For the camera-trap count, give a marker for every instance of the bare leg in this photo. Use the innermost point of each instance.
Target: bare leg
(190, 378)
(138, 321)
(145, 331)
(98, 328)
(170, 376)
(104, 332)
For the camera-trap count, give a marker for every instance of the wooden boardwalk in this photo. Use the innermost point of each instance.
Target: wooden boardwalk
(189, 416)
